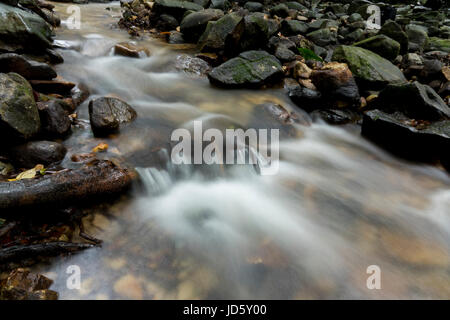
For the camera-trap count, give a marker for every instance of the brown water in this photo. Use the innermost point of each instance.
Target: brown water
(337, 205)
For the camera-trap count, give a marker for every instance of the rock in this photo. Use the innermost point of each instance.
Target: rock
(89, 182)
(19, 116)
(106, 114)
(408, 138)
(293, 27)
(417, 36)
(174, 8)
(175, 37)
(29, 69)
(20, 29)
(223, 34)
(130, 49)
(323, 37)
(280, 10)
(336, 81)
(253, 6)
(191, 65)
(54, 118)
(249, 69)
(438, 44)
(355, 36)
(21, 284)
(193, 25)
(258, 31)
(224, 5)
(412, 59)
(52, 86)
(166, 22)
(38, 152)
(336, 116)
(394, 31)
(354, 17)
(301, 70)
(368, 68)
(381, 45)
(415, 100)
(306, 98)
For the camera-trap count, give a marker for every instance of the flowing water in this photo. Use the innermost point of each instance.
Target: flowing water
(338, 204)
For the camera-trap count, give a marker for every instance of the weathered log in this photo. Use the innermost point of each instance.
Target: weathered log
(96, 178)
(47, 249)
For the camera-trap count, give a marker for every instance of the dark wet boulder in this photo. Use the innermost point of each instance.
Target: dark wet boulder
(409, 138)
(223, 35)
(305, 98)
(29, 69)
(281, 10)
(415, 100)
(175, 8)
(19, 116)
(323, 37)
(130, 49)
(61, 87)
(38, 152)
(417, 36)
(166, 22)
(55, 119)
(368, 68)
(381, 45)
(337, 116)
(258, 31)
(193, 25)
(90, 181)
(293, 27)
(394, 31)
(23, 30)
(336, 82)
(254, 6)
(249, 69)
(106, 114)
(224, 5)
(175, 37)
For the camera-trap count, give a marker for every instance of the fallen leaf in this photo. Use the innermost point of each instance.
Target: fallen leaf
(29, 174)
(100, 147)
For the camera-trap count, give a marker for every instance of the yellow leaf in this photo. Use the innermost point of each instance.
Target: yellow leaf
(29, 174)
(100, 147)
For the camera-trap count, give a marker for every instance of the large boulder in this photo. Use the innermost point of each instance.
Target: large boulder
(415, 100)
(249, 69)
(19, 116)
(417, 36)
(368, 68)
(394, 31)
(223, 35)
(409, 138)
(29, 69)
(23, 30)
(54, 118)
(381, 45)
(107, 113)
(194, 24)
(32, 153)
(258, 31)
(175, 8)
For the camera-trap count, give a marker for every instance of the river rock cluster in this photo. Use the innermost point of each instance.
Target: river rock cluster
(393, 80)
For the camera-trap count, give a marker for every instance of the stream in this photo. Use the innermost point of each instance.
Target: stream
(338, 204)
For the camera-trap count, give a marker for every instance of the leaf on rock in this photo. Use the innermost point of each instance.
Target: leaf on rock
(309, 54)
(29, 174)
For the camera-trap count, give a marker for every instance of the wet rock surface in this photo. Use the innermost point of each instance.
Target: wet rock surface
(106, 114)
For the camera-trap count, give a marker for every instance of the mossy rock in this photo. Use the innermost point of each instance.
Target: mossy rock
(381, 45)
(19, 116)
(369, 69)
(438, 44)
(23, 30)
(249, 69)
(394, 31)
